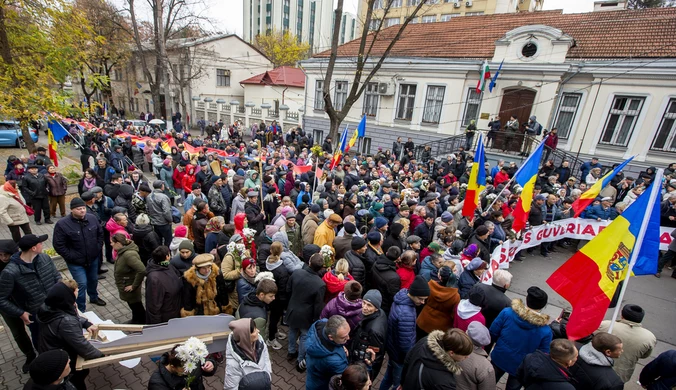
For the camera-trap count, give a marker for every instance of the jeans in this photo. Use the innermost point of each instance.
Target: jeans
(392, 378)
(512, 382)
(468, 141)
(18, 329)
(87, 279)
(16, 234)
(276, 313)
(165, 233)
(293, 348)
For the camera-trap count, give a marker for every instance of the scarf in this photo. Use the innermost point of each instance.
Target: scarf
(10, 189)
(212, 226)
(248, 278)
(89, 183)
(203, 277)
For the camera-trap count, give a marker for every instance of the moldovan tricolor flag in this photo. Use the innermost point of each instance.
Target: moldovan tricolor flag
(588, 280)
(340, 149)
(588, 196)
(358, 132)
(485, 76)
(55, 133)
(526, 177)
(477, 181)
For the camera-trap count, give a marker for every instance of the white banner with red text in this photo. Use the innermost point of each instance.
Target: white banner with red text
(574, 228)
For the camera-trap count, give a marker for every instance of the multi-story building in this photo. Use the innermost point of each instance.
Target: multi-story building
(309, 20)
(439, 10)
(348, 27)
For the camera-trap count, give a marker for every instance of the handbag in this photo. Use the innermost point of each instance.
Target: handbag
(29, 209)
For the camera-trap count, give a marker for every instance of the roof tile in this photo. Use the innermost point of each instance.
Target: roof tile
(285, 76)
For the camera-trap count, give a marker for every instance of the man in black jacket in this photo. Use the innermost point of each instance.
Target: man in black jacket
(306, 291)
(370, 334)
(35, 185)
(384, 277)
(24, 281)
(254, 213)
(495, 298)
(78, 238)
(594, 366)
(540, 371)
(356, 259)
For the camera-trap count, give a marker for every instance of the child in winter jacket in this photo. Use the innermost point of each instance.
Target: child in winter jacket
(347, 304)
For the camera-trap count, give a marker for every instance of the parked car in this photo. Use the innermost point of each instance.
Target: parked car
(10, 134)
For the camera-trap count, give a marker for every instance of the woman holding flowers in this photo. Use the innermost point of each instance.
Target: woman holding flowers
(231, 267)
(247, 359)
(184, 367)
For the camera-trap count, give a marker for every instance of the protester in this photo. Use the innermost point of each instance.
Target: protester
(439, 311)
(13, 210)
(326, 354)
(594, 366)
(171, 373)
(370, 333)
(542, 371)
(50, 371)
(477, 372)
(247, 359)
(660, 374)
(164, 288)
(495, 299)
(203, 288)
(129, 274)
(347, 304)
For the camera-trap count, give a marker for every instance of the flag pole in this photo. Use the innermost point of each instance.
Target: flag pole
(637, 248)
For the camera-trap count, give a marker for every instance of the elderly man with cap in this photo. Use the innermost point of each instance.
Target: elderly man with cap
(637, 341)
(518, 331)
(326, 232)
(254, 212)
(50, 371)
(24, 281)
(216, 202)
(159, 211)
(310, 224)
(477, 371)
(370, 334)
(78, 238)
(603, 211)
(431, 204)
(89, 198)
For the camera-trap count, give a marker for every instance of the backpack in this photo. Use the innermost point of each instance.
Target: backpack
(175, 215)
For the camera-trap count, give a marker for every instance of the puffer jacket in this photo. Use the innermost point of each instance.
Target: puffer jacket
(401, 327)
(23, 288)
(539, 372)
(594, 370)
(357, 268)
(255, 309)
(129, 271)
(57, 185)
(242, 373)
(162, 379)
(12, 212)
(79, 242)
(216, 202)
(517, 332)
(438, 368)
(324, 357)
(477, 372)
(439, 310)
(159, 208)
(339, 305)
(385, 278)
(334, 285)
(291, 261)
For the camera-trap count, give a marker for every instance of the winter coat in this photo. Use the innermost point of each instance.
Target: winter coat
(465, 283)
(438, 368)
(324, 357)
(255, 309)
(342, 245)
(599, 212)
(24, 288)
(406, 274)
(539, 372)
(428, 270)
(79, 242)
(477, 372)
(62, 330)
(147, 240)
(425, 232)
(295, 237)
(162, 379)
(370, 332)
(199, 224)
(357, 268)
(594, 370)
(216, 202)
(466, 313)
(334, 285)
(203, 297)
(439, 310)
(401, 327)
(124, 199)
(310, 225)
(637, 343)
(242, 373)
(255, 219)
(306, 298)
(351, 311)
(281, 275)
(57, 185)
(371, 255)
(129, 271)
(237, 206)
(163, 293)
(291, 261)
(114, 228)
(12, 213)
(385, 279)
(518, 331)
(660, 374)
(64, 385)
(159, 208)
(35, 186)
(483, 246)
(157, 162)
(244, 288)
(495, 300)
(324, 235)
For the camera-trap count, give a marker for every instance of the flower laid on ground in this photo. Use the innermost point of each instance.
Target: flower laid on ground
(193, 353)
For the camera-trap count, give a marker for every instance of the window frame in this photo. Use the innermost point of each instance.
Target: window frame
(422, 20)
(409, 102)
(567, 109)
(447, 17)
(371, 100)
(434, 104)
(622, 116)
(670, 138)
(388, 20)
(319, 95)
(340, 94)
(222, 80)
(469, 100)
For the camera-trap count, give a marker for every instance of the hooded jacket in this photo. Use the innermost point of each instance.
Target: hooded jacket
(438, 368)
(241, 371)
(115, 228)
(401, 327)
(637, 342)
(24, 288)
(465, 282)
(518, 331)
(324, 357)
(439, 310)
(393, 238)
(281, 275)
(334, 285)
(123, 200)
(466, 313)
(306, 298)
(162, 379)
(129, 271)
(594, 370)
(163, 293)
(291, 261)
(339, 305)
(384, 277)
(539, 372)
(252, 180)
(428, 270)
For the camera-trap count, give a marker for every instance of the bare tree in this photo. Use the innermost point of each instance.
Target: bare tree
(367, 42)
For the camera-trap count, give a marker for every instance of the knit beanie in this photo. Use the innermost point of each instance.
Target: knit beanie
(352, 290)
(380, 222)
(308, 251)
(479, 334)
(377, 206)
(374, 297)
(75, 203)
(48, 366)
(374, 237)
(358, 243)
(349, 228)
(633, 313)
(186, 244)
(536, 298)
(419, 287)
(181, 231)
(476, 263)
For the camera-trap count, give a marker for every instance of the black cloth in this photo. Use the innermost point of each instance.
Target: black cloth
(588, 376)
(35, 186)
(425, 232)
(24, 287)
(384, 277)
(539, 372)
(252, 307)
(147, 240)
(162, 379)
(357, 267)
(494, 301)
(306, 298)
(466, 281)
(79, 242)
(435, 373)
(254, 217)
(485, 253)
(371, 332)
(65, 385)
(163, 293)
(123, 199)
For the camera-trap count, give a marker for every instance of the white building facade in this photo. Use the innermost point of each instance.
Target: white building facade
(608, 96)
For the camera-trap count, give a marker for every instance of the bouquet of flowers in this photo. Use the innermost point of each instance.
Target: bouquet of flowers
(237, 251)
(316, 150)
(327, 252)
(193, 353)
(248, 237)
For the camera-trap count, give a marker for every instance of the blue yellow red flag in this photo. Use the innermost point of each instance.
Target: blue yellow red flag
(588, 196)
(477, 180)
(526, 177)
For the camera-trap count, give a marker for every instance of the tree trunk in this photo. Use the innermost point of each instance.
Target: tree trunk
(25, 132)
(5, 50)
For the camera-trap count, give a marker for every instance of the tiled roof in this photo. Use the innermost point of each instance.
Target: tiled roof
(646, 33)
(284, 76)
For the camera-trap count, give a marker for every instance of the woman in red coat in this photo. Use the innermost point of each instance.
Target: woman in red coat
(188, 179)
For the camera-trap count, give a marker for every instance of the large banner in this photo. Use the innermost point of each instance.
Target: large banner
(575, 228)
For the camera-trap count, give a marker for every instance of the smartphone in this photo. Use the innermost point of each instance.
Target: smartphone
(565, 314)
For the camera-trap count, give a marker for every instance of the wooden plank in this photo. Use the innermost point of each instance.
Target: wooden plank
(131, 355)
(122, 327)
(149, 344)
(78, 363)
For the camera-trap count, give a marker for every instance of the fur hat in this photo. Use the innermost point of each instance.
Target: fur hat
(536, 298)
(633, 313)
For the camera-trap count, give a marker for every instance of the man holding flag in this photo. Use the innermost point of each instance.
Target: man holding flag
(55, 133)
(588, 196)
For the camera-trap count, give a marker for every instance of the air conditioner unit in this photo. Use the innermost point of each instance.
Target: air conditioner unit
(456, 4)
(468, 4)
(385, 89)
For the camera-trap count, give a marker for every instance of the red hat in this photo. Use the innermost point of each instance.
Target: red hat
(181, 231)
(247, 262)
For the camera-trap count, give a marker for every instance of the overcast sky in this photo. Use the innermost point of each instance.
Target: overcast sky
(228, 13)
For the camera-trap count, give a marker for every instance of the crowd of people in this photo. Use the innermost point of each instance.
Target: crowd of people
(372, 259)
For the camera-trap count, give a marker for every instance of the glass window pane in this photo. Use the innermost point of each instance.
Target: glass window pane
(564, 122)
(610, 128)
(625, 130)
(663, 134)
(635, 104)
